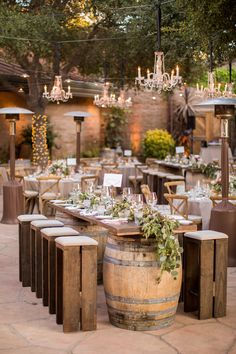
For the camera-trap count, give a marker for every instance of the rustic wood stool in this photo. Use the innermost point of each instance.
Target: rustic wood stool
(36, 252)
(24, 245)
(205, 273)
(48, 236)
(76, 283)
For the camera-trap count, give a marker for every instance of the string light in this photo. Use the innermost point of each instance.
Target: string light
(39, 140)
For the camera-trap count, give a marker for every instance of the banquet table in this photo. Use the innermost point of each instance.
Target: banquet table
(201, 207)
(66, 185)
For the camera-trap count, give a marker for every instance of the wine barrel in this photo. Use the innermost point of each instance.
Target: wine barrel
(96, 232)
(135, 299)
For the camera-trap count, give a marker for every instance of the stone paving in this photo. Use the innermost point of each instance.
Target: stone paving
(27, 328)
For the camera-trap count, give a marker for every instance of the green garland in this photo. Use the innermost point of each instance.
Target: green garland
(122, 208)
(154, 225)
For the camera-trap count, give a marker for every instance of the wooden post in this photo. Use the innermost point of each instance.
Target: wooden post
(78, 121)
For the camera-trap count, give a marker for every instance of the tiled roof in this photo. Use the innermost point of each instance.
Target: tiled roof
(10, 69)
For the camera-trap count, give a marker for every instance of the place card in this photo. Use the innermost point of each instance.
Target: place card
(71, 162)
(179, 149)
(128, 153)
(112, 180)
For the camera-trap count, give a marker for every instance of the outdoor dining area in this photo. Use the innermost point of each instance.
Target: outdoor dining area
(117, 188)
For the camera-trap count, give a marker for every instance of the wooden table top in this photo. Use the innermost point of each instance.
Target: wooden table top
(122, 229)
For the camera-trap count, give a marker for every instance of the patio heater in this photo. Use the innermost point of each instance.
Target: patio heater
(78, 118)
(223, 215)
(12, 190)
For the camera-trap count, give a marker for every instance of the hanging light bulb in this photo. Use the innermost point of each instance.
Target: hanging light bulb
(57, 93)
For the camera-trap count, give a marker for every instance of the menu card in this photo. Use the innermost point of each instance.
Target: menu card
(112, 180)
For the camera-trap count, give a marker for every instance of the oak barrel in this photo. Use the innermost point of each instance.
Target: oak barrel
(96, 232)
(135, 299)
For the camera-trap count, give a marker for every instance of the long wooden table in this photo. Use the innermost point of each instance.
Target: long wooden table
(135, 300)
(122, 229)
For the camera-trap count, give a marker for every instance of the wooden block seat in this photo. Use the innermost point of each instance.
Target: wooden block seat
(24, 245)
(205, 273)
(36, 252)
(76, 283)
(48, 236)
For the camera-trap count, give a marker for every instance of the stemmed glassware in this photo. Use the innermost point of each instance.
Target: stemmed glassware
(151, 199)
(127, 193)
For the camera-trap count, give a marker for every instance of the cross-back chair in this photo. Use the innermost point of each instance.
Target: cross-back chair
(173, 187)
(88, 183)
(48, 190)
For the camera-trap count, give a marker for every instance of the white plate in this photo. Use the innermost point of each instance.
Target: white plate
(57, 201)
(185, 222)
(176, 217)
(101, 217)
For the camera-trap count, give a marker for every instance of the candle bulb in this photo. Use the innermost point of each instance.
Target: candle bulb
(177, 71)
(139, 72)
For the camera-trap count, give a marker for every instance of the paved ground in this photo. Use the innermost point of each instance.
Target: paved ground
(27, 328)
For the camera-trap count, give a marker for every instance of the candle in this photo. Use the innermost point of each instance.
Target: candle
(177, 71)
(139, 72)
(69, 89)
(148, 73)
(218, 87)
(172, 76)
(197, 87)
(45, 88)
(225, 87)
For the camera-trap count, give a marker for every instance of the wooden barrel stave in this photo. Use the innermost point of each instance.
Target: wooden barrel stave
(134, 298)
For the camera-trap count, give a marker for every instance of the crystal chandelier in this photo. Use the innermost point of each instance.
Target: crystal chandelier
(57, 93)
(109, 100)
(159, 80)
(213, 90)
(123, 102)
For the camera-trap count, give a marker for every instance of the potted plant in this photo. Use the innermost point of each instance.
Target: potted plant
(158, 143)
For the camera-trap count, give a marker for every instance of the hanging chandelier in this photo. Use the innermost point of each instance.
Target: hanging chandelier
(109, 100)
(214, 90)
(57, 93)
(123, 102)
(159, 80)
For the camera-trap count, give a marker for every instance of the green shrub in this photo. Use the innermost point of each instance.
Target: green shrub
(158, 143)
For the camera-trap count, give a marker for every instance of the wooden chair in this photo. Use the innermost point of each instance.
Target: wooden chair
(109, 167)
(89, 182)
(137, 179)
(173, 186)
(145, 190)
(30, 199)
(217, 199)
(179, 205)
(48, 191)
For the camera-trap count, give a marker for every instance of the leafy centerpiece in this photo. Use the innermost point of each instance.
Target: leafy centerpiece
(59, 168)
(155, 225)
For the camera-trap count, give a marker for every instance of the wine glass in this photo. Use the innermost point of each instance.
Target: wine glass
(127, 193)
(137, 200)
(151, 199)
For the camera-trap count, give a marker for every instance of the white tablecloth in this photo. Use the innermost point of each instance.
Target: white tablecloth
(212, 152)
(201, 207)
(66, 185)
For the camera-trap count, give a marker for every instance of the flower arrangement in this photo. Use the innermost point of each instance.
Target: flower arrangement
(216, 185)
(80, 197)
(123, 208)
(59, 168)
(209, 170)
(154, 225)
